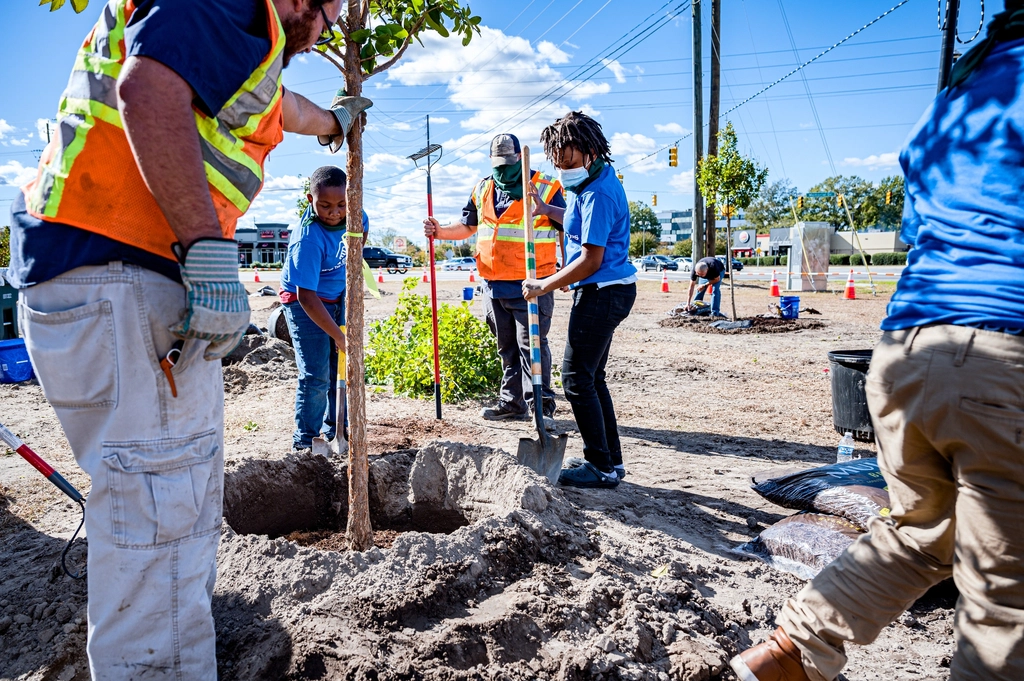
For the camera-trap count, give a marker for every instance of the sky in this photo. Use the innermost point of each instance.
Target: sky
(626, 62)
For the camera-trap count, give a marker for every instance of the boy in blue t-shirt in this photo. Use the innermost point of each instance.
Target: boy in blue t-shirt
(313, 294)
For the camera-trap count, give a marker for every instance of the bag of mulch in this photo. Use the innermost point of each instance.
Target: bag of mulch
(802, 544)
(854, 490)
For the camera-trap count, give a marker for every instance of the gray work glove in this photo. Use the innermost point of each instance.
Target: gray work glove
(345, 109)
(217, 302)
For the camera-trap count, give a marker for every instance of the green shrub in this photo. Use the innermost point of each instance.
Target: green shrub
(400, 350)
(784, 260)
(889, 259)
(857, 261)
(839, 259)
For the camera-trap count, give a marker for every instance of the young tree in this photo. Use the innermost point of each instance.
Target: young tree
(362, 51)
(642, 243)
(729, 180)
(772, 206)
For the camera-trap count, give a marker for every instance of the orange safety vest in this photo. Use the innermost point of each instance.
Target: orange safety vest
(501, 241)
(88, 177)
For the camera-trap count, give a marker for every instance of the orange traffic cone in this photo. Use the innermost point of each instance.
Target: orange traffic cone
(380, 276)
(664, 281)
(472, 278)
(774, 292)
(851, 292)
(256, 273)
(425, 279)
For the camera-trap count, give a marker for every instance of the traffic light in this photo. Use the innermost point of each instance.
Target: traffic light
(839, 200)
(619, 175)
(888, 198)
(800, 202)
(673, 156)
(654, 199)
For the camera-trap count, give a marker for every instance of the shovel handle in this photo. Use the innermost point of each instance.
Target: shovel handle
(532, 308)
(15, 443)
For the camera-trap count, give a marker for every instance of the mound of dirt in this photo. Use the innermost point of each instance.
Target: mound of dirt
(389, 435)
(258, 361)
(757, 325)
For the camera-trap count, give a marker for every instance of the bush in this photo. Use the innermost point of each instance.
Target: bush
(400, 350)
(856, 260)
(839, 259)
(889, 259)
(784, 260)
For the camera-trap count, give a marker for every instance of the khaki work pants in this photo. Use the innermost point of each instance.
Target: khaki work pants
(156, 462)
(947, 405)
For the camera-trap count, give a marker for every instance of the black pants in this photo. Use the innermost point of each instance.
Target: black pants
(596, 312)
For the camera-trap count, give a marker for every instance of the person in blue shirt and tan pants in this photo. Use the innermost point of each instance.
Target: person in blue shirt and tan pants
(603, 283)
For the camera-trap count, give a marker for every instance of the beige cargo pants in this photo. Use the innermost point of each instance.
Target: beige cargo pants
(156, 462)
(947, 404)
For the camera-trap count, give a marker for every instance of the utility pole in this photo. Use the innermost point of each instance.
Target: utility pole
(948, 42)
(713, 111)
(697, 233)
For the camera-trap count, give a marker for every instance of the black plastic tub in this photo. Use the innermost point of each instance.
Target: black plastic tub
(849, 369)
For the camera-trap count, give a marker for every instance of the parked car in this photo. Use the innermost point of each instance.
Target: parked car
(736, 264)
(637, 262)
(459, 264)
(685, 264)
(658, 263)
(377, 257)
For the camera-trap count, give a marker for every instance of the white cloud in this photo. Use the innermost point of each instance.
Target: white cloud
(381, 85)
(551, 53)
(13, 173)
(633, 148)
(682, 183)
(440, 120)
(671, 128)
(380, 161)
(21, 142)
(616, 68)
(284, 182)
(889, 159)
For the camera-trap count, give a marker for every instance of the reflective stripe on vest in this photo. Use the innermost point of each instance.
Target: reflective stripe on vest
(501, 241)
(88, 177)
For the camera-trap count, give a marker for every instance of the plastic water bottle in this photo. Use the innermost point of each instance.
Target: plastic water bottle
(845, 451)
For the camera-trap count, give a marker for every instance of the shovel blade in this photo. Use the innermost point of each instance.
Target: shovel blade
(543, 455)
(329, 448)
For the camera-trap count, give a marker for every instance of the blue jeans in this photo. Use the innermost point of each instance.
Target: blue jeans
(716, 295)
(596, 313)
(317, 360)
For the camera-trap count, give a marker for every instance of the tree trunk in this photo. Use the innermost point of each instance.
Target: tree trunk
(360, 532)
(713, 112)
(728, 258)
(697, 226)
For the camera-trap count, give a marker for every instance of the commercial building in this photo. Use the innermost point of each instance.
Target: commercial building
(264, 243)
(676, 225)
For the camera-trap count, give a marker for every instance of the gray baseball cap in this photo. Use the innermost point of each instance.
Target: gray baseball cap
(504, 149)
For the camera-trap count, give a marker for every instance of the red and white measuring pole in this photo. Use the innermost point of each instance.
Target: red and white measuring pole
(15, 443)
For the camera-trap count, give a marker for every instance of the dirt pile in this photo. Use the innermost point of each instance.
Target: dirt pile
(757, 325)
(257, 361)
(492, 574)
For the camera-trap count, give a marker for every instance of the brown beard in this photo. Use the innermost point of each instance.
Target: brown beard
(297, 32)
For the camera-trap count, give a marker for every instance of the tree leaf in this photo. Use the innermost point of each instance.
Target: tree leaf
(79, 5)
(361, 36)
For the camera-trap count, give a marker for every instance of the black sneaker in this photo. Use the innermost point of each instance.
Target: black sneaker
(502, 412)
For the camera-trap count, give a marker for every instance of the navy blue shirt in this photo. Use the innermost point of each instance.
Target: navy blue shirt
(716, 268)
(963, 213)
(214, 45)
(502, 200)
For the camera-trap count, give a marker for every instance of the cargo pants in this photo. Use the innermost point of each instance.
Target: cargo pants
(153, 515)
(947, 404)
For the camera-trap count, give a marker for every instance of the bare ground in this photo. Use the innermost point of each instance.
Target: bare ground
(699, 414)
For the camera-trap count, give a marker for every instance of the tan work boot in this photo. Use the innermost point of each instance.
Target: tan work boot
(777, 659)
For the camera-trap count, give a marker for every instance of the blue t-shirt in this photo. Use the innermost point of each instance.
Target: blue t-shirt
(214, 45)
(963, 214)
(599, 216)
(316, 258)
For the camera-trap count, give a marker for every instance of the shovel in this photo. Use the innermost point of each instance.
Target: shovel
(339, 445)
(543, 455)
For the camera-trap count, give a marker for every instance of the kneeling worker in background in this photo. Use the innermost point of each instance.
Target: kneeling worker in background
(313, 294)
(707, 274)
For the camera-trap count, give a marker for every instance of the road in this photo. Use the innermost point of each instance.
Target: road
(837, 275)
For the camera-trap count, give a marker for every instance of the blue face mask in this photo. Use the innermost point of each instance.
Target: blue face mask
(572, 177)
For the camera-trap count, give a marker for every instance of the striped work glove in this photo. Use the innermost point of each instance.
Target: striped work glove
(345, 109)
(217, 302)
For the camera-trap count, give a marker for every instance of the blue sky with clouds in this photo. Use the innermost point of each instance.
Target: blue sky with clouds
(627, 62)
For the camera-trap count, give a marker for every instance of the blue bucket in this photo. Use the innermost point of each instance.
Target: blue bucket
(467, 294)
(789, 307)
(15, 365)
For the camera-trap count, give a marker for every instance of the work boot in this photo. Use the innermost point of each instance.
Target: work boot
(777, 659)
(502, 412)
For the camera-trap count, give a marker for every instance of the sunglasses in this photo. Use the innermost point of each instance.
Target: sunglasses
(327, 35)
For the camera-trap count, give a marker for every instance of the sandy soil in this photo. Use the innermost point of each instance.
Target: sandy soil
(699, 413)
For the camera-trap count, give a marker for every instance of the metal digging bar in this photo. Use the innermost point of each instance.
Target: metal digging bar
(15, 443)
(426, 152)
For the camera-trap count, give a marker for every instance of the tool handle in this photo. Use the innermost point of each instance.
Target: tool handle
(433, 304)
(15, 443)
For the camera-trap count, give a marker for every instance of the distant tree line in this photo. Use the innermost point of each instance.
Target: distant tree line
(777, 202)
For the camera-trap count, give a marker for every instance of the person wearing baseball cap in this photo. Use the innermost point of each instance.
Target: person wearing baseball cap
(495, 214)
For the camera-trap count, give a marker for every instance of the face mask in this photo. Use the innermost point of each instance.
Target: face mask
(572, 177)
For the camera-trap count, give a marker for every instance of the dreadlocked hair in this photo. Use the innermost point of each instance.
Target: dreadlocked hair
(578, 131)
